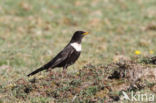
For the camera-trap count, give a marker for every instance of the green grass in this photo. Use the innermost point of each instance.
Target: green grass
(32, 32)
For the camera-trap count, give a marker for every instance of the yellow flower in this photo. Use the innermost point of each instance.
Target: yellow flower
(151, 51)
(137, 52)
(78, 73)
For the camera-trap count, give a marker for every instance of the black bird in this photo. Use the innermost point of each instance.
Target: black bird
(67, 56)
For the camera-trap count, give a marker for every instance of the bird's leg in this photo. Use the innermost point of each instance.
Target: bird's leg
(64, 71)
(50, 72)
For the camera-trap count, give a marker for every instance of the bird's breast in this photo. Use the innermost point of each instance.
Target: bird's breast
(76, 46)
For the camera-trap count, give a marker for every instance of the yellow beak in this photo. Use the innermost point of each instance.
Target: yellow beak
(86, 33)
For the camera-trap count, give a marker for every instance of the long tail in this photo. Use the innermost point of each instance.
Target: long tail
(44, 67)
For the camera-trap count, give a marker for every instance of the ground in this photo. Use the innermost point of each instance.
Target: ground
(32, 32)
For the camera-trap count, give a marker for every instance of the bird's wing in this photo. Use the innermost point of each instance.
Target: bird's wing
(63, 55)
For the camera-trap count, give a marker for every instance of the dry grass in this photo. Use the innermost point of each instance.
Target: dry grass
(90, 84)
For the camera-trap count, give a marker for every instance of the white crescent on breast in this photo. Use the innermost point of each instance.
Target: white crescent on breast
(76, 46)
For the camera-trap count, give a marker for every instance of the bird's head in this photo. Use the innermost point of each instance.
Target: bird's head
(78, 35)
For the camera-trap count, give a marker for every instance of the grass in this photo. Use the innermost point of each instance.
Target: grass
(33, 32)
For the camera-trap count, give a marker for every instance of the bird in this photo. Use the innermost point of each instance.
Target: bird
(68, 56)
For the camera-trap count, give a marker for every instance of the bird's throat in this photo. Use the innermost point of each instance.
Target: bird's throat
(76, 46)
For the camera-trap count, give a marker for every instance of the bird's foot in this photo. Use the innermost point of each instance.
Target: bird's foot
(50, 72)
(64, 73)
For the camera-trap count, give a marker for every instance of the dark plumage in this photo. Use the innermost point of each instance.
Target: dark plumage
(67, 56)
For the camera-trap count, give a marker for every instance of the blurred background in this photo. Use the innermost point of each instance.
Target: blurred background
(34, 31)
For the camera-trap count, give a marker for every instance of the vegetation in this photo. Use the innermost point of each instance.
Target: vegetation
(122, 35)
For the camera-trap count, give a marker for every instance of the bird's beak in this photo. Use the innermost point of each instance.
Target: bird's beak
(86, 33)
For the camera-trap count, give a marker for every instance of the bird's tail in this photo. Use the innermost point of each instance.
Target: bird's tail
(44, 67)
